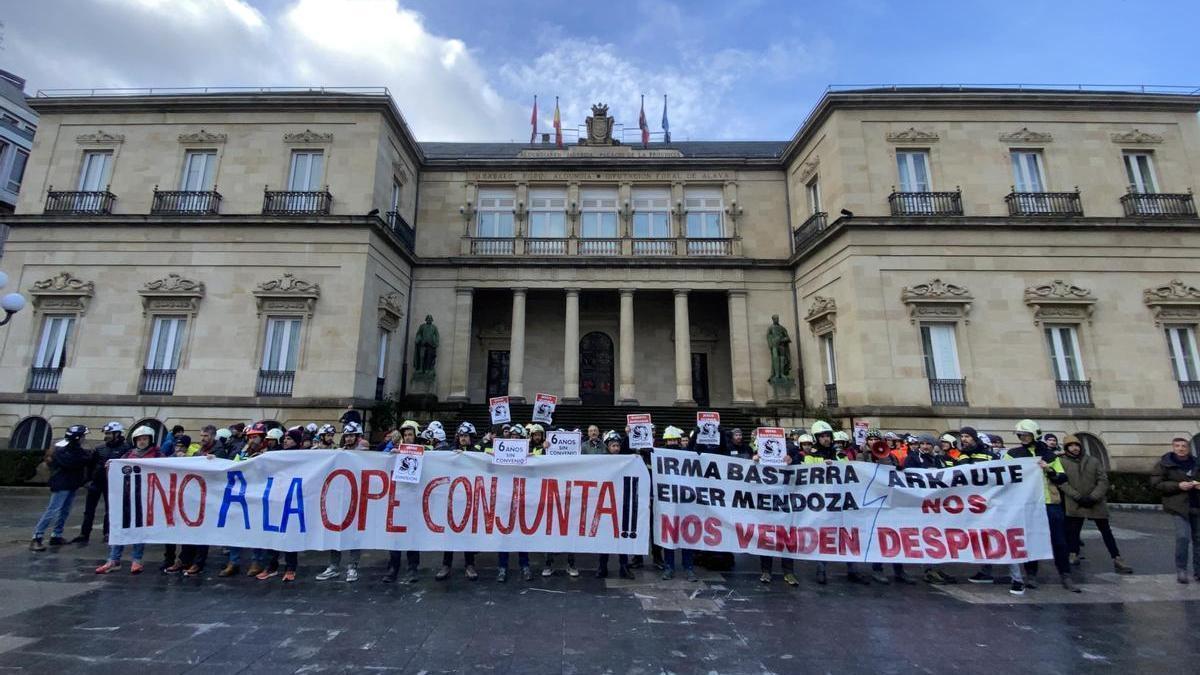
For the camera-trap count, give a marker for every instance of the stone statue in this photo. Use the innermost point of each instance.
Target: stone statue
(781, 353)
(425, 356)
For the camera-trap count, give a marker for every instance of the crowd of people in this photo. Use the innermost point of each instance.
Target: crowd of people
(1076, 490)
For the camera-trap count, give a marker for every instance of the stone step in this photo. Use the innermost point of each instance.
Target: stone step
(605, 417)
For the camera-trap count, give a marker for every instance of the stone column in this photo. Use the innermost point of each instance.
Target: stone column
(516, 348)
(683, 350)
(459, 353)
(625, 392)
(739, 349)
(571, 348)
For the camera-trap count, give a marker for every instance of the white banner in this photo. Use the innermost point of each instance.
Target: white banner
(298, 500)
(990, 512)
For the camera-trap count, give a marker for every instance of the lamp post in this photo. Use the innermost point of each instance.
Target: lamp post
(11, 303)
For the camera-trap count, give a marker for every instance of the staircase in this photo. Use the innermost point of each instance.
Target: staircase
(605, 417)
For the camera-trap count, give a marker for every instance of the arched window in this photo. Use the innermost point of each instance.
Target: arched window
(1092, 446)
(32, 433)
(1196, 445)
(160, 431)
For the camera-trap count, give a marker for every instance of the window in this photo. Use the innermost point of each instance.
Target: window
(282, 345)
(33, 433)
(52, 348)
(703, 207)
(828, 360)
(651, 213)
(548, 213)
(940, 351)
(199, 170)
(599, 217)
(17, 173)
(913, 166)
(166, 341)
(1028, 175)
(385, 337)
(1064, 353)
(97, 164)
(813, 190)
(1181, 340)
(495, 214)
(1093, 447)
(307, 171)
(394, 205)
(1139, 170)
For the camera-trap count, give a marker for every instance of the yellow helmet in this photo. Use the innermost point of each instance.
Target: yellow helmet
(672, 433)
(410, 424)
(1028, 427)
(535, 429)
(821, 427)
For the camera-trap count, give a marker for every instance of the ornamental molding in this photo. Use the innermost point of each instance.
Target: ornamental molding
(809, 168)
(173, 284)
(400, 172)
(937, 299)
(1059, 300)
(287, 294)
(62, 292)
(913, 135)
(1174, 301)
(1137, 137)
(172, 293)
(391, 310)
(101, 137)
(203, 136)
(1024, 135)
(821, 315)
(308, 136)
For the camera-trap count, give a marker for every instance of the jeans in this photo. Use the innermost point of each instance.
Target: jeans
(412, 557)
(448, 558)
(669, 558)
(1057, 516)
(193, 554)
(502, 560)
(1187, 529)
(1075, 527)
(766, 563)
(56, 512)
(94, 494)
(335, 557)
(550, 560)
(114, 552)
(257, 555)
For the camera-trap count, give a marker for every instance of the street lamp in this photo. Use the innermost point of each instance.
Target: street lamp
(11, 303)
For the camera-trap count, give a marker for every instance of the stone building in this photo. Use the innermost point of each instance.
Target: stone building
(937, 257)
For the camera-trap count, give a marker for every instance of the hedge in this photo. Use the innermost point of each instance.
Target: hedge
(1131, 488)
(18, 467)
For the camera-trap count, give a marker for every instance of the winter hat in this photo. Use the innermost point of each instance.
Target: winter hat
(296, 434)
(1070, 439)
(970, 431)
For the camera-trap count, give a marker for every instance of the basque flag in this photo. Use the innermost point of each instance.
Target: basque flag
(557, 125)
(643, 125)
(666, 126)
(533, 121)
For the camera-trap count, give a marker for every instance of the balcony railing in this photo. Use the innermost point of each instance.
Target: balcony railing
(1159, 204)
(544, 246)
(810, 228)
(654, 247)
(1044, 204)
(948, 392)
(831, 399)
(400, 226)
(185, 202)
(157, 381)
(380, 385)
(599, 247)
(44, 380)
(926, 203)
(492, 246)
(74, 202)
(275, 382)
(1189, 392)
(296, 202)
(709, 247)
(1074, 393)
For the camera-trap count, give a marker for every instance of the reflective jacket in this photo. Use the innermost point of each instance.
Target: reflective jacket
(1055, 475)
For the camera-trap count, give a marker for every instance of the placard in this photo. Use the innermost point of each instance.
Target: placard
(409, 459)
(543, 408)
(564, 443)
(641, 431)
(708, 428)
(772, 446)
(511, 451)
(499, 409)
(860, 433)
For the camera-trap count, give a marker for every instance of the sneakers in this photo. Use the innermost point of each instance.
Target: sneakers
(527, 574)
(571, 571)
(764, 578)
(229, 570)
(501, 575)
(193, 571)
(331, 572)
(351, 574)
(173, 568)
(471, 573)
(57, 541)
(36, 545)
(981, 578)
(1074, 560)
(411, 577)
(790, 579)
(113, 565)
(547, 572)
(289, 576)
(1120, 567)
(1017, 588)
(267, 574)
(136, 567)
(254, 570)
(880, 578)
(691, 575)
(934, 577)
(1069, 585)
(443, 573)
(623, 572)
(668, 574)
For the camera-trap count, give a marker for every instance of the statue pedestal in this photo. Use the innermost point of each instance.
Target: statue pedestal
(422, 391)
(781, 391)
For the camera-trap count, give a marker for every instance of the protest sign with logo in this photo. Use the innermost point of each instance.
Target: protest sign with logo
(408, 463)
(772, 446)
(498, 407)
(860, 433)
(708, 428)
(564, 443)
(543, 408)
(510, 451)
(641, 431)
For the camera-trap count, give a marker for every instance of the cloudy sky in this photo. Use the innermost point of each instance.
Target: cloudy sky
(468, 70)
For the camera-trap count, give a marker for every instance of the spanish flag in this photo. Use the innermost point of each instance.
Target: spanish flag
(557, 125)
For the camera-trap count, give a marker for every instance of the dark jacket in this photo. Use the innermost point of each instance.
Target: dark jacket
(1086, 478)
(97, 474)
(1165, 478)
(224, 449)
(919, 460)
(69, 466)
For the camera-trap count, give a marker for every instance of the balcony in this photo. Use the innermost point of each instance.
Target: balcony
(654, 247)
(599, 247)
(1189, 393)
(44, 380)
(1159, 204)
(1044, 204)
(948, 392)
(1074, 393)
(275, 382)
(185, 202)
(296, 203)
(71, 203)
(157, 381)
(831, 399)
(400, 227)
(492, 246)
(809, 229)
(709, 247)
(926, 203)
(545, 246)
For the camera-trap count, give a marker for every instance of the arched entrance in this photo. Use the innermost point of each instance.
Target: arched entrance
(1093, 446)
(596, 369)
(33, 433)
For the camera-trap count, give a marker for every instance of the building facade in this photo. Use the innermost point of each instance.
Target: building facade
(918, 259)
(18, 123)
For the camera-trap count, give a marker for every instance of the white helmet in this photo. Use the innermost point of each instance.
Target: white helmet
(352, 429)
(438, 435)
(311, 427)
(275, 433)
(841, 436)
(805, 438)
(821, 427)
(142, 431)
(114, 427)
(326, 429)
(435, 425)
(1028, 427)
(612, 436)
(466, 428)
(224, 433)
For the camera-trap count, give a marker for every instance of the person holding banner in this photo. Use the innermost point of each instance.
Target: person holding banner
(114, 446)
(464, 441)
(766, 562)
(926, 456)
(613, 446)
(291, 559)
(408, 436)
(824, 452)
(352, 437)
(593, 444)
(143, 448)
(879, 453)
(1055, 476)
(736, 446)
(537, 446)
(324, 438)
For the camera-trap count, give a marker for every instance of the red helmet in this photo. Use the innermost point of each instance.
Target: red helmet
(256, 429)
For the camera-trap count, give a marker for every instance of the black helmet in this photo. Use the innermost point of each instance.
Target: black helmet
(75, 432)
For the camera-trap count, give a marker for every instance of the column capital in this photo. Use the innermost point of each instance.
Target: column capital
(572, 291)
(626, 291)
(519, 290)
(682, 291)
(464, 290)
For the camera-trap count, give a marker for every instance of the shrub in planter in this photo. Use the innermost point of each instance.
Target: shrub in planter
(1131, 488)
(18, 467)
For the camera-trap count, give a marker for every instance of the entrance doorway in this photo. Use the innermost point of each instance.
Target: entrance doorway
(700, 379)
(497, 373)
(596, 369)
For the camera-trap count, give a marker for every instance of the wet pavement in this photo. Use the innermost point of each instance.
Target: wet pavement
(57, 616)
